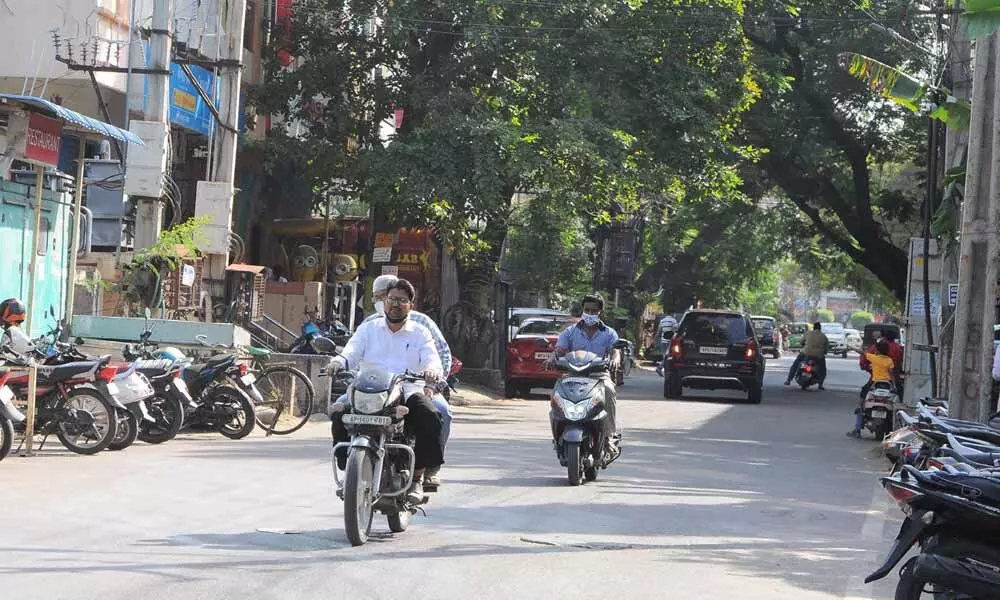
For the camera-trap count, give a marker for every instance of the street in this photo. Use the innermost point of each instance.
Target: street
(712, 498)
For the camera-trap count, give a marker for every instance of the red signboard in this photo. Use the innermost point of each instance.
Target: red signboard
(42, 140)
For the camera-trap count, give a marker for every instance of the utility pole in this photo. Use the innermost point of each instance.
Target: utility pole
(148, 216)
(971, 362)
(959, 80)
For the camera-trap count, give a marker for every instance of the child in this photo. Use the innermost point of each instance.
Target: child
(882, 367)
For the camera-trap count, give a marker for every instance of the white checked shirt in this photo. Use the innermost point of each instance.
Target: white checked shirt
(375, 345)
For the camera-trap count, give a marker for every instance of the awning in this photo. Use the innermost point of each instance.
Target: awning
(74, 118)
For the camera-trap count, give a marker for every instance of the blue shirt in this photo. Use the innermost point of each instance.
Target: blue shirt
(444, 352)
(575, 338)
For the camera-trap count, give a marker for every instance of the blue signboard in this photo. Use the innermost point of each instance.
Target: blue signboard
(187, 109)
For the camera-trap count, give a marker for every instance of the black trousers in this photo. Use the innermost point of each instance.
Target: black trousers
(423, 421)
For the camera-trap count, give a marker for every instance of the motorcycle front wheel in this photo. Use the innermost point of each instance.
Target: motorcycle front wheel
(358, 497)
(243, 420)
(128, 430)
(574, 463)
(6, 436)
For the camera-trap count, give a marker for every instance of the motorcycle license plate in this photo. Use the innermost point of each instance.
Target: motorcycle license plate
(113, 389)
(543, 355)
(713, 350)
(879, 414)
(248, 379)
(366, 420)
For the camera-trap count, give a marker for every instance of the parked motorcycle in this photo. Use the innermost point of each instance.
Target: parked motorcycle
(380, 458)
(954, 517)
(223, 393)
(171, 395)
(9, 415)
(76, 401)
(320, 337)
(578, 417)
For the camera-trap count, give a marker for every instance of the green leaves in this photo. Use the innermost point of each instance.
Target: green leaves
(905, 90)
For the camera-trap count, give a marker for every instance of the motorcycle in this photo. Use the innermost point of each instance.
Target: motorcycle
(76, 401)
(879, 409)
(9, 415)
(171, 395)
(380, 458)
(806, 375)
(578, 417)
(954, 517)
(223, 393)
(317, 340)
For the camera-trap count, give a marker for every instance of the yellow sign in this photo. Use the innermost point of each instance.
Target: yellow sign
(185, 101)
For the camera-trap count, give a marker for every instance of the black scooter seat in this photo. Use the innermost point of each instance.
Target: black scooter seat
(66, 371)
(973, 487)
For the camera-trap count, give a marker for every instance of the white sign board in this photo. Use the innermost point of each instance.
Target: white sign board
(187, 275)
(382, 255)
(390, 270)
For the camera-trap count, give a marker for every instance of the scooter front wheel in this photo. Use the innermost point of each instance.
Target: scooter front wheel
(574, 463)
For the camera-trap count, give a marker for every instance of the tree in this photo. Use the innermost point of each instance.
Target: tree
(823, 135)
(597, 106)
(822, 315)
(861, 318)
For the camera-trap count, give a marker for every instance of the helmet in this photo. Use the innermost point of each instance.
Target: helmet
(12, 312)
(169, 353)
(382, 284)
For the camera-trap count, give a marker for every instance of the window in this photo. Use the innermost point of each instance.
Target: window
(715, 330)
(42, 243)
(544, 328)
(763, 325)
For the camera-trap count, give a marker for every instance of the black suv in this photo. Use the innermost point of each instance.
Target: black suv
(712, 350)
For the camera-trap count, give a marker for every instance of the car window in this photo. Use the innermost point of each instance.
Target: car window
(832, 328)
(798, 328)
(763, 325)
(719, 330)
(543, 328)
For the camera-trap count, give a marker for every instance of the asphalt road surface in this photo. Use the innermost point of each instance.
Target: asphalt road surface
(712, 498)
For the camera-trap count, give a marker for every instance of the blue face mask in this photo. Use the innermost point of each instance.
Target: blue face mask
(591, 320)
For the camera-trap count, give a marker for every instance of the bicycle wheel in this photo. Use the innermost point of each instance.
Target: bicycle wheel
(288, 399)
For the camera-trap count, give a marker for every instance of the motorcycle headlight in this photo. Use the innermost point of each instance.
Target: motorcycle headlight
(364, 402)
(575, 411)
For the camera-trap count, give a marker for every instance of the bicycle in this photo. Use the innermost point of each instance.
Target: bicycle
(291, 411)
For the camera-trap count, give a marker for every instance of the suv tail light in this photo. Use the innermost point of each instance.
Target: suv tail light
(676, 349)
(107, 374)
(751, 351)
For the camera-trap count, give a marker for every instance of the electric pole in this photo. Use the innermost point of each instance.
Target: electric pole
(975, 312)
(148, 216)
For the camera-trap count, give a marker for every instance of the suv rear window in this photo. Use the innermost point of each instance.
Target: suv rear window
(716, 330)
(544, 327)
(763, 325)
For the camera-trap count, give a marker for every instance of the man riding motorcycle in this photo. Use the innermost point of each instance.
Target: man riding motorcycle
(815, 349)
(592, 335)
(380, 290)
(399, 345)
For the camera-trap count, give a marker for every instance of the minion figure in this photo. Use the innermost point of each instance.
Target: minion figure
(305, 263)
(343, 267)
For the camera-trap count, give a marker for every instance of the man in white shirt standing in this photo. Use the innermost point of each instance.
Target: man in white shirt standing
(399, 345)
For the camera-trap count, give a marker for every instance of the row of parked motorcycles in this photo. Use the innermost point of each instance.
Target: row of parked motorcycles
(946, 480)
(93, 403)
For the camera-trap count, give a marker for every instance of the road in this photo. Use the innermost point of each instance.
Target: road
(712, 498)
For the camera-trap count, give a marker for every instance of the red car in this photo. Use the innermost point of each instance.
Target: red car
(532, 345)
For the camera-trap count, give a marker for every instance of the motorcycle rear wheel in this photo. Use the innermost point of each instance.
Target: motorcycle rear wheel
(399, 522)
(243, 423)
(128, 431)
(169, 415)
(6, 436)
(103, 418)
(574, 463)
(358, 509)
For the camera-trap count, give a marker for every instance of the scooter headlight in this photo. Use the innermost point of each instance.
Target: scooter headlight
(575, 411)
(368, 403)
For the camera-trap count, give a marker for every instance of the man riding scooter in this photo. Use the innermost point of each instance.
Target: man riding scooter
(592, 335)
(815, 350)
